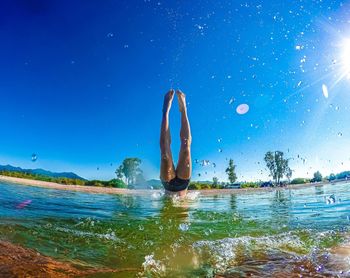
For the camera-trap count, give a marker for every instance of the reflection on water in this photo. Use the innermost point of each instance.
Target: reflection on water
(272, 233)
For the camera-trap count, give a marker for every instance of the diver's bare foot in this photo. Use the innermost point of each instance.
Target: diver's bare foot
(181, 97)
(168, 100)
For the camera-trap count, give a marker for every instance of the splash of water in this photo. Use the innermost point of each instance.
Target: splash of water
(152, 267)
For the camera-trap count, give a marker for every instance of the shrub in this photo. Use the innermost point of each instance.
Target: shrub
(117, 183)
(250, 185)
(300, 181)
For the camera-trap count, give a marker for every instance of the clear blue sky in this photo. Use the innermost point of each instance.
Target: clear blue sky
(82, 83)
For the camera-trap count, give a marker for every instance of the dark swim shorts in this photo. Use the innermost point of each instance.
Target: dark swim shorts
(176, 184)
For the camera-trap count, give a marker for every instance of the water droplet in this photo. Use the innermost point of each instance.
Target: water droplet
(184, 227)
(208, 232)
(34, 157)
(242, 109)
(325, 90)
(330, 199)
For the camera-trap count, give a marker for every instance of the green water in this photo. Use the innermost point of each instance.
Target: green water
(258, 234)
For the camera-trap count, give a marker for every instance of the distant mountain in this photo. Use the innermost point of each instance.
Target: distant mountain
(41, 172)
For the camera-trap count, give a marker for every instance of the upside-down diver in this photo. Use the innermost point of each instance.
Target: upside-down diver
(175, 180)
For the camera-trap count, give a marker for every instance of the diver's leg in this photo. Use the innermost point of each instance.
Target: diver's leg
(167, 169)
(184, 165)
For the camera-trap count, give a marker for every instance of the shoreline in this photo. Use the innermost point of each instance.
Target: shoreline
(122, 191)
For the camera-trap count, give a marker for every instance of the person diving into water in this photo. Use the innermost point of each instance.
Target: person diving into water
(175, 181)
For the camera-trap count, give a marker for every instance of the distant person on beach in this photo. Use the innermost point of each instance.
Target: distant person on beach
(175, 181)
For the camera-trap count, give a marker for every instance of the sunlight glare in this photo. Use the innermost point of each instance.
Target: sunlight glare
(345, 55)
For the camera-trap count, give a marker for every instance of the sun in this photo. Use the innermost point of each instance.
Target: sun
(345, 58)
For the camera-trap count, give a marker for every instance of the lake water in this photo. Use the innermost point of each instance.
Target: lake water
(273, 234)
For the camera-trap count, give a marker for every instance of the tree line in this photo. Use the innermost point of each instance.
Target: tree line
(130, 173)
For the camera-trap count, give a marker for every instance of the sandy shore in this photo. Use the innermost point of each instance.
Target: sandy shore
(121, 191)
(80, 188)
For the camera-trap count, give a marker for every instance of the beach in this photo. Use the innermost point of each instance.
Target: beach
(123, 191)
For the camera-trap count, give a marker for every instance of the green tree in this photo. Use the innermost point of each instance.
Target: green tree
(230, 171)
(215, 182)
(119, 172)
(289, 174)
(130, 169)
(277, 165)
(317, 177)
(332, 177)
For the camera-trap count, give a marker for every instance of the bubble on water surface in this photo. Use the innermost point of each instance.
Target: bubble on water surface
(152, 266)
(110, 35)
(242, 109)
(208, 232)
(157, 195)
(325, 90)
(220, 150)
(108, 236)
(225, 253)
(184, 227)
(340, 134)
(192, 195)
(34, 157)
